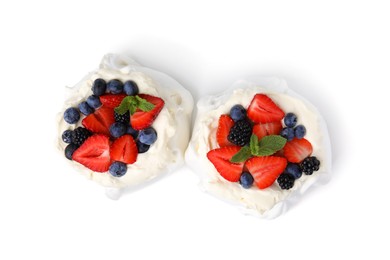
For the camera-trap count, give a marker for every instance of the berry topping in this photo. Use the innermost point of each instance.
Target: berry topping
(143, 119)
(69, 150)
(85, 108)
(115, 86)
(130, 88)
(286, 181)
(261, 130)
(147, 136)
(266, 169)
(118, 169)
(237, 112)
(79, 135)
(112, 101)
(71, 115)
(100, 121)
(142, 148)
(94, 101)
(287, 133)
(94, 153)
(67, 136)
(99, 87)
(309, 165)
(290, 120)
(240, 133)
(297, 149)
(118, 129)
(132, 131)
(294, 170)
(299, 131)
(225, 123)
(263, 110)
(125, 118)
(246, 180)
(124, 150)
(220, 158)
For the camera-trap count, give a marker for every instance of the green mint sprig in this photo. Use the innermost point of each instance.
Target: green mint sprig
(132, 103)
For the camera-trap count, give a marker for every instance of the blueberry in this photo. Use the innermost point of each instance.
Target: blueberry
(300, 131)
(246, 180)
(294, 170)
(67, 136)
(142, 148)
(237, 112)
(99, 87)
(147, 136)
(287, 133)
(69, 150)
(290, 120)
(118, 129)
(130, 88)
(131, 131)
(94, 101)
(85, 108)
(118, 169)
(71, 115)
(115, 86)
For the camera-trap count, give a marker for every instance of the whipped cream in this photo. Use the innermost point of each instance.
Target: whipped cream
(172, 124)
(269, 202)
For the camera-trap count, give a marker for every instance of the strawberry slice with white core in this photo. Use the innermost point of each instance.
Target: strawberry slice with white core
(263, 110)
(143, 119)
(100, 121)
(265, 169)
(273, 128)
(124, 149)
(224, 124)
(220, 157)
(297, 150)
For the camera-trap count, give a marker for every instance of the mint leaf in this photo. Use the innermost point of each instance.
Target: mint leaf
(242, 155)
(131, 103)
(144, 105)
(254, 144)
(270, 144)
(125, 105)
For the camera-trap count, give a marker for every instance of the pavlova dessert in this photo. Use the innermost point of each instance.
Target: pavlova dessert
(259, 145)
(124, 124)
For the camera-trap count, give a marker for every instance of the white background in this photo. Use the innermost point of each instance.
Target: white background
(334, 53)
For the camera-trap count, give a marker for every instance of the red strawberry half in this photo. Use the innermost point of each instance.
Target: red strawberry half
(297, 149)
(224, 124)
(266, 169)
(100, 121)
(262, 130)
(124, 149)
(112, 100)
(263, 110)
(140, 119)
(94, 153)
(220, 157)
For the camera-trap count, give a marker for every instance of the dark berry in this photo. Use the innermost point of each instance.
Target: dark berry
(125, 118)
(67, 136)
(115, 86)
(286, 181)
(79, 135)
(69, 150)
(147, 136)
(85, 108)
(94, 101)
(131, 131)
(237, 113)
(118, 129)
(99, 87)
(299, 131)
(118, 169)
(246, 180)
(310, 165)
(240, 133)
(294, 170)
(71, 115)
(287, 133)
(290, 120)
(142, 148)
(130, 88)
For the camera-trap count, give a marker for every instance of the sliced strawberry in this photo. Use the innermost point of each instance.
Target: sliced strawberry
(263, 110)
(94, 153)
(266, 169)
(140, 119)
(112, 100)
(124, 149)
(100, 121)
(262, 130)
(297, 149)
(224, 124)
(220, 157)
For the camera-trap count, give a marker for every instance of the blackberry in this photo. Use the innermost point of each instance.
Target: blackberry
(286, 181)
(309, 165)
(240, 133)
(79, 135)
(125, 118)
